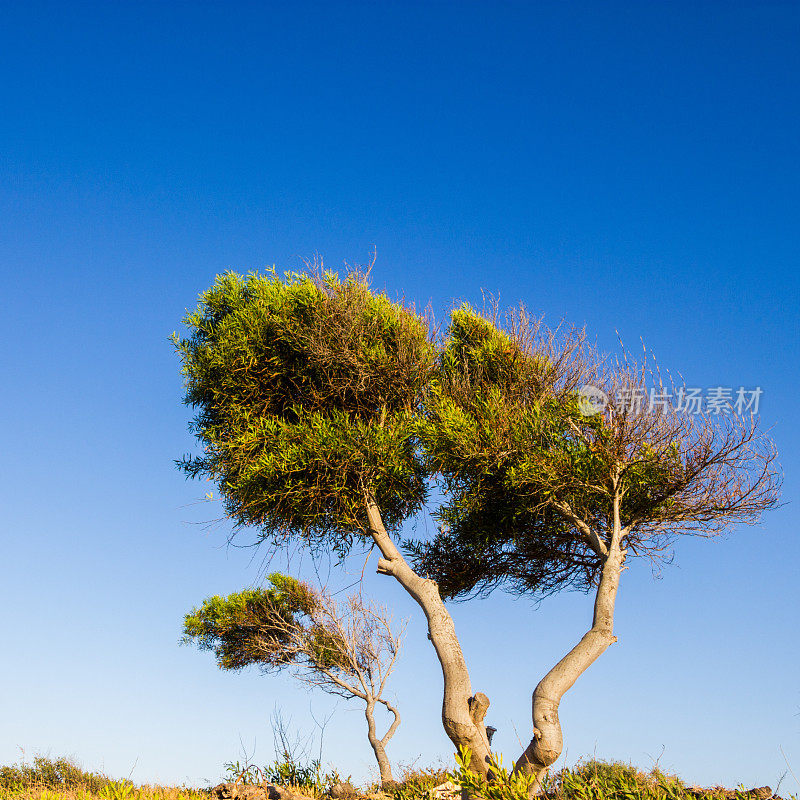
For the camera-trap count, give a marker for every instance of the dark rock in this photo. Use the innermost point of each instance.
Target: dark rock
(275, 792)
(239, 791)
(760, 793)
(265, 791)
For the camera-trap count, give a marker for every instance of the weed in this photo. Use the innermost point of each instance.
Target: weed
(309, 777)
(120, 790)
(417, 783)
(504, 786)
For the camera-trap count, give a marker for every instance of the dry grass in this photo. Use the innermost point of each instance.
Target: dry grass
(63, 779)
(135, 793)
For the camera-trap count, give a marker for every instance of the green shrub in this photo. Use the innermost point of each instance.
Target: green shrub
(287, 771)
(596, 780)
(120, 790)
(504, 785)
(417, 783)
(45, 773)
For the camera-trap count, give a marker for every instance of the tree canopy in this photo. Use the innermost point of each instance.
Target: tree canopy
(529, 475)
(256, 626)
(491, 398)
(306, 391)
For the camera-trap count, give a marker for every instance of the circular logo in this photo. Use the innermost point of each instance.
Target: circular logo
(591, 400)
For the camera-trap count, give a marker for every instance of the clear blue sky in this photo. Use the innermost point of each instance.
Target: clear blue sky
(629, 166)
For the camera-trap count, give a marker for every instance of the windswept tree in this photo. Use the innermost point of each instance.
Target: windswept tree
(307, 392)
(559, 468)
(325, 410)
(347, 649)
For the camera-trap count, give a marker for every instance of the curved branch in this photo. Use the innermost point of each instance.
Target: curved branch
(395, 722)
(589, 535)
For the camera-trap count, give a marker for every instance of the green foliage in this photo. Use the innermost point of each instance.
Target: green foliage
(246, 774)
(415, 784)
(290, 625)
(490, 409)
(63, 779)
(597, 780)
(46, 773)
(588, 780)
(249, 627)
(313, 394)
(502, 427)
(603, 780)
(259, 626)
(120, 790)
(306, 391)
(348, 650)
(285, 771)
(503, 786)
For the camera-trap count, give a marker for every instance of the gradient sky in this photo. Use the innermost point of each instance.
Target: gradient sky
(628, 166)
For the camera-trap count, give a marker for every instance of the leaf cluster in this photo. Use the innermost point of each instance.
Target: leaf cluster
(535, 486)
(258, 626)
(503, 785)
(305, 390)
(496, 402)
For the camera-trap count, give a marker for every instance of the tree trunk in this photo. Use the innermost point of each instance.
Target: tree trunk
(378, 745)
(462, 712)
(547, 742)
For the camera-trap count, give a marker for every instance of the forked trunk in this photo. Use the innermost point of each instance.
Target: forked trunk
(379, 745)
(547, 742)
(462, 712)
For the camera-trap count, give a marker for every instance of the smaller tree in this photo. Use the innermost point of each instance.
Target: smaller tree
(347, 649)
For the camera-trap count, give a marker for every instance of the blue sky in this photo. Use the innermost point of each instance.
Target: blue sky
(628, 166)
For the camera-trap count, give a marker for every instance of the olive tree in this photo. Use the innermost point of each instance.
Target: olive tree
(307, 391)
(544, 447)
(345, 648)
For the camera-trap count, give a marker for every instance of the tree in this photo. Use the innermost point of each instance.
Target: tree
(308, 393)
(346, 649)
(545, 447)
(326, 410)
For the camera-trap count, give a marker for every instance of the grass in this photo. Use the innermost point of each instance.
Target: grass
(415, 782)
(602, 780)
(593, 780)
(63, 779)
